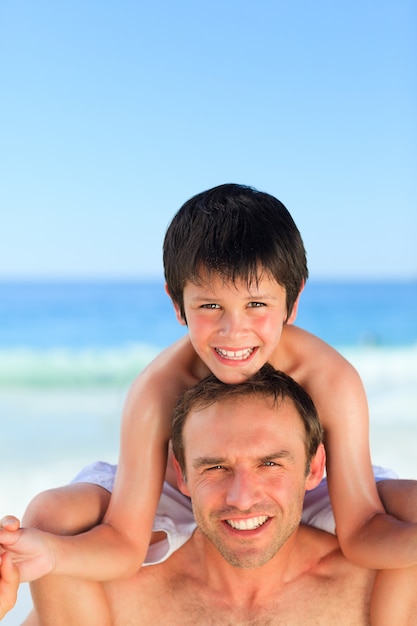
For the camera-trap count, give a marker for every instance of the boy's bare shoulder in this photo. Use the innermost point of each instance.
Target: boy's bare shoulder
(317, 366)
(158, 386)
(177, 365)
(302, 351)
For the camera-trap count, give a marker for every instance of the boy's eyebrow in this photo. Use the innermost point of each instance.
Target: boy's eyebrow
(257, 296)
(262, 296)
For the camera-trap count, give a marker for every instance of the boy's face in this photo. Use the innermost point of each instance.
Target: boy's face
(235, 329)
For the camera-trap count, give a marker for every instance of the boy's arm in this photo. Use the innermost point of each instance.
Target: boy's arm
(368, 536)
(118, 546)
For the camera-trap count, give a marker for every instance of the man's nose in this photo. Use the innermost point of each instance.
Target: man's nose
(243, 491)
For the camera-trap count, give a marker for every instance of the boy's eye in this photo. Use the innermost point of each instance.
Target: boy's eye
(210, 305)
(256, 305)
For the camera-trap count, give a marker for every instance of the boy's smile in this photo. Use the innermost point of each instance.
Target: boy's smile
(234, 327)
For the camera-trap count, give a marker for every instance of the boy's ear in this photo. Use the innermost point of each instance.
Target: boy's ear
(317, 465)
(182, 483)
(293, 315)
(177, 309)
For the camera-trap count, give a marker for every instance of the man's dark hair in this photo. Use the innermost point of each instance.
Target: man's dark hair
(235, 232)
(267, 383)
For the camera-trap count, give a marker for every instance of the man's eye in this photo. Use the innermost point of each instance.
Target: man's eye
(215, 467)
(270, 463)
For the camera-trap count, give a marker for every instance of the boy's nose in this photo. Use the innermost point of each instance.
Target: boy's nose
(243, 491)
(232, 324)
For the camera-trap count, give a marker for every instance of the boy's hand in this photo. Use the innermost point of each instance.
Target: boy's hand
(9, 583)
(29, 549)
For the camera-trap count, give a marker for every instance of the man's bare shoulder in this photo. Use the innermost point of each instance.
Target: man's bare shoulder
(324, 559)
(321, 588)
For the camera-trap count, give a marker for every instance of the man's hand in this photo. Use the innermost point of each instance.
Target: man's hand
(9, 583)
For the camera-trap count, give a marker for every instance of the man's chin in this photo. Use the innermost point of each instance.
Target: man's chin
(248, 559)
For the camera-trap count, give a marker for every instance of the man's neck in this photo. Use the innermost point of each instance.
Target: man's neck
(247, 585)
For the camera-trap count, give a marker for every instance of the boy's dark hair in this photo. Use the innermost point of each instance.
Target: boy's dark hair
(267, 383)
(234, 231)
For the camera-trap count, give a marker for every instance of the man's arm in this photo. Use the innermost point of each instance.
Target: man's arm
(9, 583)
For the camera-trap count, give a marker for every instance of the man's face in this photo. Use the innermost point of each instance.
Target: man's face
(246, 475)
(234, 329)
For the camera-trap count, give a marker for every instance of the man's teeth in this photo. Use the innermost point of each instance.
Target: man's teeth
(248, 524)
(236, 355)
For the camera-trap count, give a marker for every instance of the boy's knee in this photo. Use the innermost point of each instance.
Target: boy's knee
(399, 498)
(67, 510)
(44, 511)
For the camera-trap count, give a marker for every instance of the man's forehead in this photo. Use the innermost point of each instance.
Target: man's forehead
(239, 419)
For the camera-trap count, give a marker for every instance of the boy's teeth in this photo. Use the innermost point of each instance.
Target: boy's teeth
(247, 524)
(237, 355)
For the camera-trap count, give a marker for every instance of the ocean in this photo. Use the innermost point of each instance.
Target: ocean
(69, 350)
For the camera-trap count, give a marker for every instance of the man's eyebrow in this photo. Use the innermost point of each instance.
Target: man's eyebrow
(282, 454)
(204, 461)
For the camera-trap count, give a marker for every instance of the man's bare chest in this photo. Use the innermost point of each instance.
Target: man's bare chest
(309, 604)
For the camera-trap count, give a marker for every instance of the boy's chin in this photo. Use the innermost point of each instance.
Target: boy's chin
(232, 375)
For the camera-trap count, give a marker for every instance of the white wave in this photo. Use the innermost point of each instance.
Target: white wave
(69, 367)
(390, 379)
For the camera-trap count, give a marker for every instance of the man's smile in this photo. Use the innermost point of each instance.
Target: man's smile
(248, 524)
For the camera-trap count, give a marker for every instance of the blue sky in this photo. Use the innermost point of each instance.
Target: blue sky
(113, 113)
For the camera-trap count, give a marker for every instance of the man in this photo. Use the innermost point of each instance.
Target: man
(9, 583)
(245, 454)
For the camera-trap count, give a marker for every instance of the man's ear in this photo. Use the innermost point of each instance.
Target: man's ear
(293, 315)
(177, 309)
(317, 465)
(181, 482)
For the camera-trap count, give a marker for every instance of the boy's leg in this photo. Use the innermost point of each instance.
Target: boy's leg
(394, 598)
(399, 498)
(67, 511)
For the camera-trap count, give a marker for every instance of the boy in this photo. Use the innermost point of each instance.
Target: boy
(235, 267)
